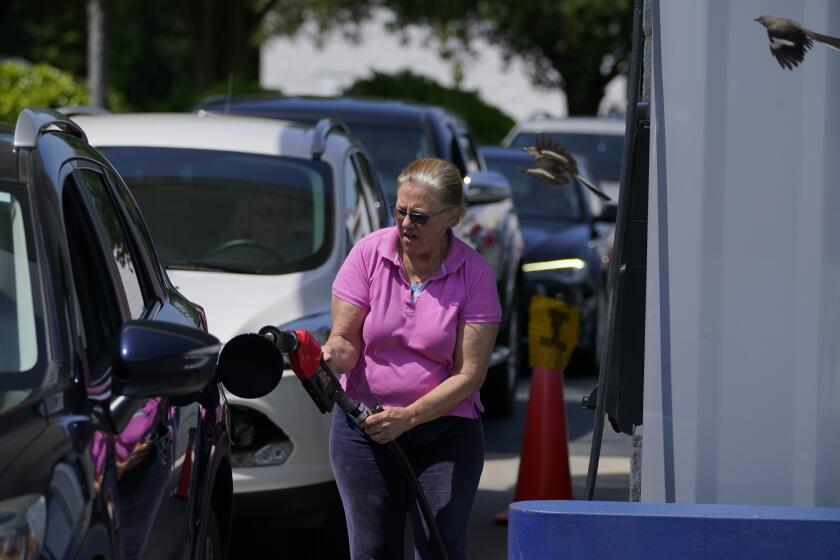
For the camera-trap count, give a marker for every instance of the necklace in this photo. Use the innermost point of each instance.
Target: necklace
(412, 274)
(415, 278)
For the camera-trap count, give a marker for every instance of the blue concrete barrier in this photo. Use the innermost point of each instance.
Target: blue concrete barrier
(628, 531)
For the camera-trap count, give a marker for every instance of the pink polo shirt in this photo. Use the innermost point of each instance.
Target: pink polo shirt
(408, 347)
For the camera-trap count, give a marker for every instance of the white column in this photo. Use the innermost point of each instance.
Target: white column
(742, 370)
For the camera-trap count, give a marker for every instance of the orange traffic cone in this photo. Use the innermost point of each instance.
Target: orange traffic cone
(544, 472)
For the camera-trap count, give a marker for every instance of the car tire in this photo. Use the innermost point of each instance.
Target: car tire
(212, 545)
(498, 394)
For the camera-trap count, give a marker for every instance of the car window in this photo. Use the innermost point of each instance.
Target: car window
(378, 206)
(392, 147)
(231, 211)
(136, 218)
(470, 150)
(94, 184)
(458, 156)
(97, 298)
(357, 216)
(18, 335)
(536, 200)
(602, 150)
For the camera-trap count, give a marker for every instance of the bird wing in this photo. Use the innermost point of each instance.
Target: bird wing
(550, 149)
(788, 45)
(553, 163)
(546, 176)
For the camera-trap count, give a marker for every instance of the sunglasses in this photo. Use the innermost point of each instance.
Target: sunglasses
(417, 218)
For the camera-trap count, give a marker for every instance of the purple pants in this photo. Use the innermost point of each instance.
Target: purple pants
(447, 455)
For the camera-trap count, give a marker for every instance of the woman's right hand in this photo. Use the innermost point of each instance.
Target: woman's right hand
(342, 349)
(327, 354)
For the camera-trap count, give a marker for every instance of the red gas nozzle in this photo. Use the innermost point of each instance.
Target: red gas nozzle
(307, 358)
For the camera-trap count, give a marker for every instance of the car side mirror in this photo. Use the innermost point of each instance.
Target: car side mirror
(486, 186)
(608, 214)
(157, 359)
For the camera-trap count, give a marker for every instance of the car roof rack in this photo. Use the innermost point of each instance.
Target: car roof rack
(323, 128)
(32, 123)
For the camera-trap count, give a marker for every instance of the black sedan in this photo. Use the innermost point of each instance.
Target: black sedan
(113, 427)
(568, 238)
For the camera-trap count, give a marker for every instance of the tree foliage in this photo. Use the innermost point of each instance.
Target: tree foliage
(40, 85)
(161, 55)
(576, 45)
(488, 123)
(164, 55)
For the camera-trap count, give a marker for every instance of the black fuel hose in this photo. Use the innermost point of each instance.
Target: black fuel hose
(408, 472)
(357, 411)
(422, 501)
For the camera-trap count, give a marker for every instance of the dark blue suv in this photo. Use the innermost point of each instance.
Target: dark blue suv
(568, 245)
(396, 133)
(113, 428)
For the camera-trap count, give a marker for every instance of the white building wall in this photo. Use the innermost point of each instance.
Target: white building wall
(742, 357)
(297, 66)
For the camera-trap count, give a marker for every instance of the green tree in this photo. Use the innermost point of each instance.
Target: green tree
(163, 55)
(576, 45)
(488, 123)
(41, 85)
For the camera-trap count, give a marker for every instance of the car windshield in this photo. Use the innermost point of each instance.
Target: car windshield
(233, 212)
(18, 333)
(602, 150)
(392, 147)
(535, 200)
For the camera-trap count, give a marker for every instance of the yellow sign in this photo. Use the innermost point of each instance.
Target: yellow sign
(553, 330)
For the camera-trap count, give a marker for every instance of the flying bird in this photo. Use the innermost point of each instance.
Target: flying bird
(789, 41)
(555, 165)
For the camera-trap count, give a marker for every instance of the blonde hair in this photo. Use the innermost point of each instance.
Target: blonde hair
(437, 174)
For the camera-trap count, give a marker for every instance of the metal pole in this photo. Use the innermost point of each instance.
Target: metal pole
(97, 75)
(618, 250)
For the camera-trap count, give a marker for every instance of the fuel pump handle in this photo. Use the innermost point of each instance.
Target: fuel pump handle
(286, 341)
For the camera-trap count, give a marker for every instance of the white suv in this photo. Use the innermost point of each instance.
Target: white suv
(252, 218)
(598, 139)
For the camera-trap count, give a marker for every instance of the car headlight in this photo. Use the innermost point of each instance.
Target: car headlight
(573, 264)
(22, 524)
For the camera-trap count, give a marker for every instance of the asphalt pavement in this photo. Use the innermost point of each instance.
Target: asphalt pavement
(486, 540)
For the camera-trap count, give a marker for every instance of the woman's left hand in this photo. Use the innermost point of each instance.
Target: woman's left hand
(386, 426)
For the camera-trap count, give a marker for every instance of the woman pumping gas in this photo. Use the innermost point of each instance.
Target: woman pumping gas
(415, 317)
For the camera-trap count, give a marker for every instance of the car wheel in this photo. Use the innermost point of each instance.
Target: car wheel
(212, 546)
(499, 391)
